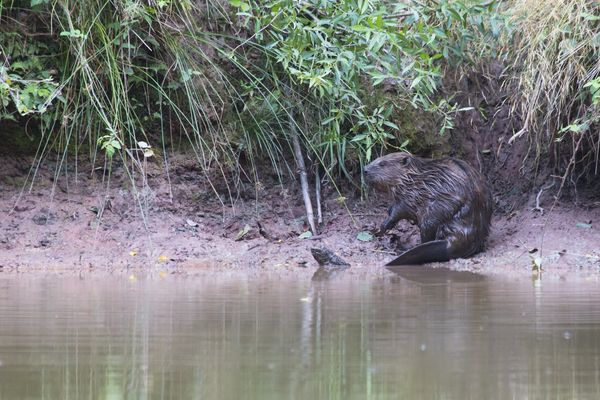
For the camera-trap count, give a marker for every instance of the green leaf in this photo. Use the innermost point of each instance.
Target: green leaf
(365, 236)
(110, 151)
(416, 81)
(391, 125)
(358, 138)
(590, 17)
(360, 28)
(305, 235)
(364, 5)
(576, 128)
(73, 33)
(242, 5)
(243, 232)
(378, 77)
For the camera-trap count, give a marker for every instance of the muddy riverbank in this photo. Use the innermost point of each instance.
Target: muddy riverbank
(79, 221)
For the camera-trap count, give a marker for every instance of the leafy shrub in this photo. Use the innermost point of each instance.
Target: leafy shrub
(347, 54)
(27, 85)
(113, 74)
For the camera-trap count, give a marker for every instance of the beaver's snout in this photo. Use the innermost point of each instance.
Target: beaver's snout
(371, 168)
(369, 172)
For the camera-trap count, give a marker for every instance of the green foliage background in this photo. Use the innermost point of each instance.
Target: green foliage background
(227, 75)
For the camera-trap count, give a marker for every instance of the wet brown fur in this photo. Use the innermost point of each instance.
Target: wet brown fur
(446, 198)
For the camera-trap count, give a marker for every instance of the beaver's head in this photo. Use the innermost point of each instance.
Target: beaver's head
(388, 170)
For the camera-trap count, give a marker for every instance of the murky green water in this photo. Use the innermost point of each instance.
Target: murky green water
(274, 338)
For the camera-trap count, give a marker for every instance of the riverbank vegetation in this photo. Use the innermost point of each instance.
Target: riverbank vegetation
(255, 89)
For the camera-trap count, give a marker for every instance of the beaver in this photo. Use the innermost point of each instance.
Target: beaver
(446, 198)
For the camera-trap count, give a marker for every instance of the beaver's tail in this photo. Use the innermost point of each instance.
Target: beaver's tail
(434, 251)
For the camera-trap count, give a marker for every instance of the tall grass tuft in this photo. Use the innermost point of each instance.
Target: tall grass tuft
(556, 48)
(132, 78)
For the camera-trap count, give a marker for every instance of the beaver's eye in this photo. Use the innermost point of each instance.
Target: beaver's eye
(404, 161)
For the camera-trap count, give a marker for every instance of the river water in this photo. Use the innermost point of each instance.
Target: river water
(423, 334)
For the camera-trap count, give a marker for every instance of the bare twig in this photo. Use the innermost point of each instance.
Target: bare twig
(537, 198)
(318, 195)
(310, 216)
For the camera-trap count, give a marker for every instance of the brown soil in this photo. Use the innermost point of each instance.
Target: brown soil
(74, 223)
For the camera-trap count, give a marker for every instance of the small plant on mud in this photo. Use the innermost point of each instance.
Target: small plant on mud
(109, 144)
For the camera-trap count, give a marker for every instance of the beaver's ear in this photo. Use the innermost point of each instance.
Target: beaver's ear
(404, 161)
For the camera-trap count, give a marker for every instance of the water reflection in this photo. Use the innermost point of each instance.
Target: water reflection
(435, 276)
(230, 338)
(327, 272)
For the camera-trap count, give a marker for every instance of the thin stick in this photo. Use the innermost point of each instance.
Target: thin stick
(318, 195)
(310, 216)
